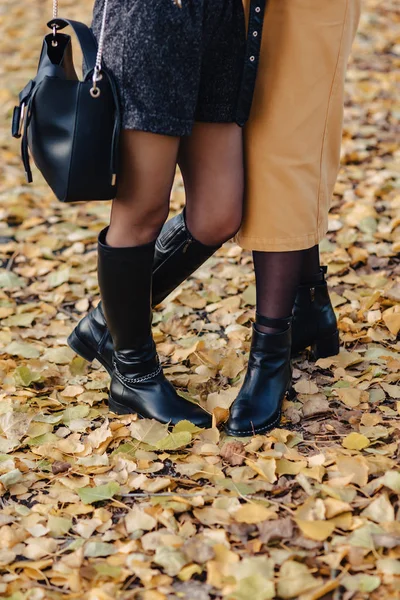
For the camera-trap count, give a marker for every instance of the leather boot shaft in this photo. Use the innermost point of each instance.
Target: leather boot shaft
(178, 255)
(125, 286)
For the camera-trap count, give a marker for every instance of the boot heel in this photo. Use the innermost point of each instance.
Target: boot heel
(121, 409)
(118, 408)
(80, 348)
(327, 346)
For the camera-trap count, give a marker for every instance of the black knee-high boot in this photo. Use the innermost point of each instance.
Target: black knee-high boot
(269, 375)
(138, 384)
(177, 255)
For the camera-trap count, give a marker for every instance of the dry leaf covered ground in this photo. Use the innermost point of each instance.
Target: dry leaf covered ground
(98, 507)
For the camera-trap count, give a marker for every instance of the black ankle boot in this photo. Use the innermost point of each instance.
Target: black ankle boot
(314, 320)
(138, 384)
(177, 256)
(269, 375)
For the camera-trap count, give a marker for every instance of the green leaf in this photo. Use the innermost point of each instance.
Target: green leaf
(326, 246)
(368, 225)
(59, 277)
(127, 448)
(52, 419)
(388, 566)
(76, 544)
(88, 495)
(59, 526)
(16, 596)
(362, 536)
(23, 376)
(361, 583)
(94, 460)
(107, 570)
(94, 549)
(238, 487)
(77, 366)
(186, 426)
(148, 431)
(255, 587)
(22, 349)
(170, 560)
(44, 465)
(46, 438)
(10, 478)
(22, 320)
(60, 356)
(75, 412)
(375, 353)
(8, 279)
(391, 480)
(174, 441)
(249, 295)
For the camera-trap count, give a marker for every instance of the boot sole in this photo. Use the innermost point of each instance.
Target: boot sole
(86, 352)
(121, 409)
(290, 395)
(258, 430)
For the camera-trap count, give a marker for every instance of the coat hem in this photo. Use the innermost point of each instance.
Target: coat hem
(288, 244)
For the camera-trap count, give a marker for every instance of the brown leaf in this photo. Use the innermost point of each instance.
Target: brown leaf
(60, 467)
(280, 529)
(233, 453)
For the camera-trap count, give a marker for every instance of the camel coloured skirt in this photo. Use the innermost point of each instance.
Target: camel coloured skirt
(293, 137)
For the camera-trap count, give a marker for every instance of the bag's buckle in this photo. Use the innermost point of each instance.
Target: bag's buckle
(18, 120)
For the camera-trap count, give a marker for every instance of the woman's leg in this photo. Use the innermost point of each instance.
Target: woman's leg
(279, 294)
(125, 262)
(277, 277)
(147, 173)
(258, 405)
(211, 161)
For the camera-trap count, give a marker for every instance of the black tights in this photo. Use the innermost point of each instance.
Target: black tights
(278, 275)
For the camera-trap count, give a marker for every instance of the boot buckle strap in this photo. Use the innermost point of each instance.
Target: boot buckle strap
(133, 380)
(276, 323)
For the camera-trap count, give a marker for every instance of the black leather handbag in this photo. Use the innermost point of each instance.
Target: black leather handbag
(71, 127)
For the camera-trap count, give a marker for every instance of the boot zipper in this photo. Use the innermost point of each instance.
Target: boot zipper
(312, 293)
(189, 241)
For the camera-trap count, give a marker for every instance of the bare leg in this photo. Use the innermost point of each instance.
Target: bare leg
(211, 161)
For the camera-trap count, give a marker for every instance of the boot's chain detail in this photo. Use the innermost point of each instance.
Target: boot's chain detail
(132, 380)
